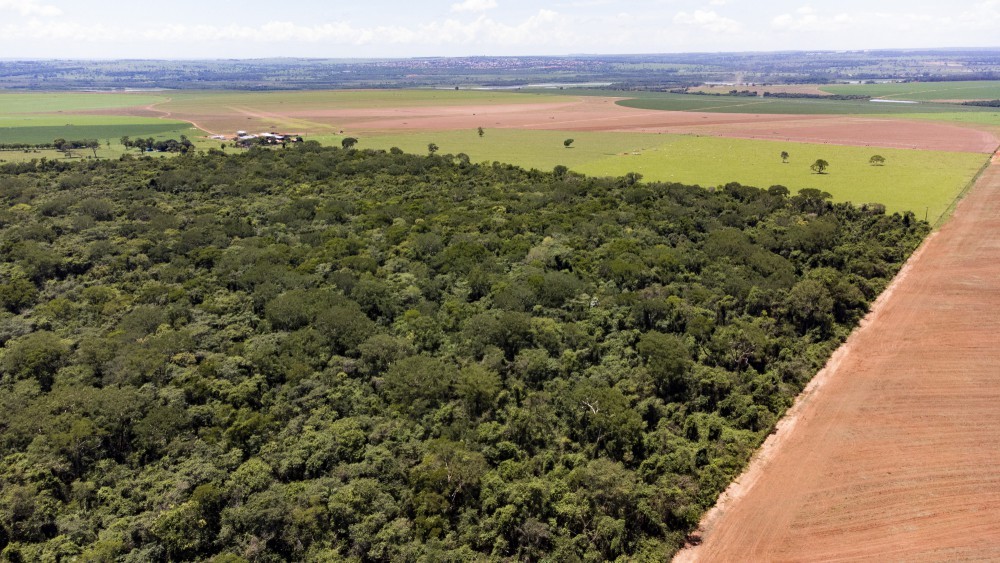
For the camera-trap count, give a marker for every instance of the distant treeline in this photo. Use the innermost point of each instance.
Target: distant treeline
(753, 93)
(815, 96)
(983, 103)
(57, 144)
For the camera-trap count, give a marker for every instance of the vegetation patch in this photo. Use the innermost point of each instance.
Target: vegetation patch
(45, 134)
(321, 353)
(922, 91)
(776, 105)
(924, 182)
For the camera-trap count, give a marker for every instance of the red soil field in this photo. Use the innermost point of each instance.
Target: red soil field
(596, 114)
(602, 114)
(893, 451)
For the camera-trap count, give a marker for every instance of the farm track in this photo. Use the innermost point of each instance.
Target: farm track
(891, 453)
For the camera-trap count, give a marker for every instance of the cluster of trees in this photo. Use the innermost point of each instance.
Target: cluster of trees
(57, 144)
(983, 103)
(806, 95)
(150, 144)
(329, 354)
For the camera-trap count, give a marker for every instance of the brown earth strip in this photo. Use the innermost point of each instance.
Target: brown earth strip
(589, 114)
(891, 454)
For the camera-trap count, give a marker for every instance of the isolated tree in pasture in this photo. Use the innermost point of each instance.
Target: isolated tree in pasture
(784, 156)
(820, 166)
(481, 132)
(432, 148)
(348, 142)
(877, 160)
(567, 143)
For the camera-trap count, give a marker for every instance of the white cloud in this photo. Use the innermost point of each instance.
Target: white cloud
(543, 28)
(808, 19)
(708, 20)
(474, 6)
(30, 8)
(718, 2)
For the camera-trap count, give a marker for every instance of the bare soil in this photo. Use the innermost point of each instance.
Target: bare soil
(892, 452)
(593, 114)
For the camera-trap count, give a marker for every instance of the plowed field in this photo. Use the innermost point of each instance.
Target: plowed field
(892, 453)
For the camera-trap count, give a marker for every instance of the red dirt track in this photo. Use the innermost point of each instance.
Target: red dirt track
(893, 451)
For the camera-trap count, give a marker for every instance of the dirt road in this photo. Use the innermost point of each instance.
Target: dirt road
(893, 453)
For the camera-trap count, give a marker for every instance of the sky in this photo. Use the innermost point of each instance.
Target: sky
(207, 29)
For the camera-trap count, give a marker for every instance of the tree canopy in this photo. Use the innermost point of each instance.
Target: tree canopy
(325, 354)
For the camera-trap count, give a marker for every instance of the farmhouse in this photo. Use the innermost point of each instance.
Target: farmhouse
(244, 139)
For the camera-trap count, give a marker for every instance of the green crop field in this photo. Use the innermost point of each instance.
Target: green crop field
(50, 102)
(920, 181)
(805, 106)
(46, 133)
(922, 91)
(991, 118)
(530, 149)
(924, 182)
(213, 101)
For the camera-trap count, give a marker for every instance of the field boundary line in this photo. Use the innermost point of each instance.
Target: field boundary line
(785, 426)
(950, 210)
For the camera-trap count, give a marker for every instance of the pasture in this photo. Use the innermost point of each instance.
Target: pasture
(46, 128)
(796, 106)
(57, 102)
(709, 142)
(925, 182)
(922, 91)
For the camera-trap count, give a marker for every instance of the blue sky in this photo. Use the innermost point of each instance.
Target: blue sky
(378, 28)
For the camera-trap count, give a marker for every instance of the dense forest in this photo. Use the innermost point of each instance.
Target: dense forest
(336, 354)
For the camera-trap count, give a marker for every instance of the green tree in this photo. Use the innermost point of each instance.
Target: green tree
(348, 142)
(432, 148)
(820, 166)
(668, 360)
(480, 131)
(877, 160)
(35, 356)
(419, 383)
(784, 156)
(567, 143)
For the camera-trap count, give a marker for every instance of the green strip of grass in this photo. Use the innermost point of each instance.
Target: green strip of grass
(924, 182)
(918, 91)
(46, 134)
(48, 102)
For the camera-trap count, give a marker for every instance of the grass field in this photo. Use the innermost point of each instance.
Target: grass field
(530, 149)
(804, 106)
(206, 101)
(50, 102)
(920, 181)
(990, 118)
(114, 131)
(922, 91)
